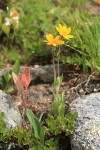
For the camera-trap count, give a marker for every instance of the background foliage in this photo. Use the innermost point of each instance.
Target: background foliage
(37, 18)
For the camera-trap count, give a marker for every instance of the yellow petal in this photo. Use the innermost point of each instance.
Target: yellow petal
(68, 30)
(49, 36)
(54, 44)
(64, 28)
(61, 42)
(57, 37)
(69, 36)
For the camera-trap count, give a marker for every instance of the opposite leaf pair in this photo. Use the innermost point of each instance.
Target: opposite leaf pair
(22, 84)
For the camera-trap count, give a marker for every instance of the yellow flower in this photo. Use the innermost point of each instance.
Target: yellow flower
(53, 41)
(64, 31)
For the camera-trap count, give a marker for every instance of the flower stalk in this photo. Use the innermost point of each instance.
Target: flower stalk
(58, 58)
(55, 41)
(54, 67)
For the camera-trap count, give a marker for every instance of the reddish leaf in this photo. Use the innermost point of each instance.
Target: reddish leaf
(18, 83)
(25, 78)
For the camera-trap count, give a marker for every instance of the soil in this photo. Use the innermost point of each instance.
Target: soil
(93, 6)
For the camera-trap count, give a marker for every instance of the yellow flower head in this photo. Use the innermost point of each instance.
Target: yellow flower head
(64, 31)
(53, 41)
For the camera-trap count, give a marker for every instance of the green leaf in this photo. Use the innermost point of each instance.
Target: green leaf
(37, 147)
(34, 123)
(55, 106)
(42, 134)
(59, 105)
(40, 118)
(2, 123)
(61, 110)
(16, 67)
(7, 77)
(57, 82)
(1, 82)
(39, 131)
(9, 90)
(6, 29)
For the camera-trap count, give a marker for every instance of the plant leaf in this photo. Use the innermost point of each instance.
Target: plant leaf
(6, 29)
(7, 77)
(16, 67)
(25, 77)
(10, 89)
(34, 123)
(39, 131)
(18, 83)
(2, 81)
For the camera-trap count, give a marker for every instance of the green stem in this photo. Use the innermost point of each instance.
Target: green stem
(54, 69)
(58, 62)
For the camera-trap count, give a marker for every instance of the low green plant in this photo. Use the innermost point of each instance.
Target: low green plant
(2, 123)
(57, 123)
(18, 135)
(58, 106)
(21, 137)
(6, 83)
(60, 121)
(63, 122)
(39, 131)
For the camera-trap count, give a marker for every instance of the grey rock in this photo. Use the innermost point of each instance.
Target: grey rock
(39, 74)
(12, 115)
(87, 133)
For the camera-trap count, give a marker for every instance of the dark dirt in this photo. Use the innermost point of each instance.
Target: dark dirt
(93, 6)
